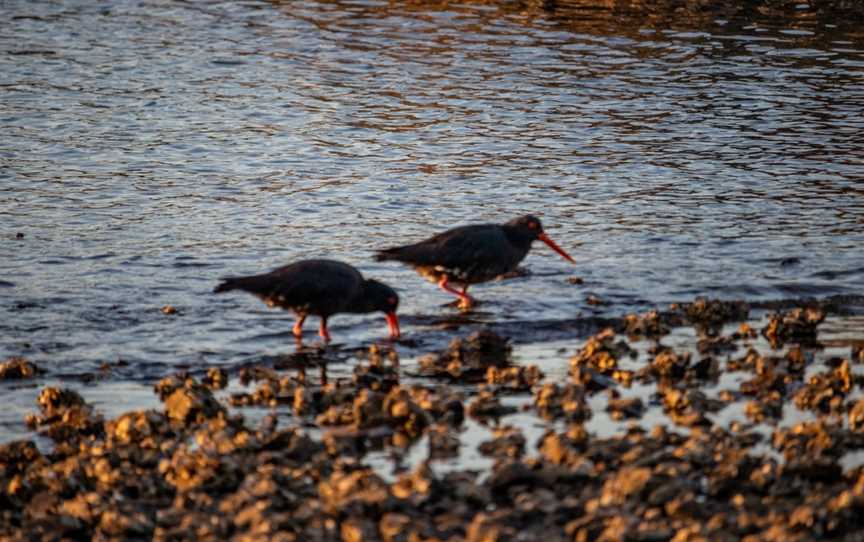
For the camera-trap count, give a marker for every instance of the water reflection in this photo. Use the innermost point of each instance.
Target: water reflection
(150, 149)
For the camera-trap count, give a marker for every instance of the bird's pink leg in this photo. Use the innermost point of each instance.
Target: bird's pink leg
(298, 326)
(322, 330)
(323, 374)
(465, 300)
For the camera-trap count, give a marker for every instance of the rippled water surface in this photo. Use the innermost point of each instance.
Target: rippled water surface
(149, 148)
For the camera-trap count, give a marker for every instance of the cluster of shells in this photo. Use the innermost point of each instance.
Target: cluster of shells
(197, 468)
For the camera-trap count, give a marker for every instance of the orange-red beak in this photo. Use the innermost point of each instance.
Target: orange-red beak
(545, 238)
(392, 324)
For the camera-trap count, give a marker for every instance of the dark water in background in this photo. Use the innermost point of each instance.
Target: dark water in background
(149, 148)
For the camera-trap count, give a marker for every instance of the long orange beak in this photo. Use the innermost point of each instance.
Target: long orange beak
(392, 324)
(545, 238)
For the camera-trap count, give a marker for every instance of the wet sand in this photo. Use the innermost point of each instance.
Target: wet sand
(707, 421)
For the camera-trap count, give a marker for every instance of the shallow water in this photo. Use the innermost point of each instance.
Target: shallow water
(150, 148)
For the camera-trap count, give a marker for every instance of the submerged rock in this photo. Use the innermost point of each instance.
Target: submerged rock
(709, 315)
(651, 324)
(16, 368)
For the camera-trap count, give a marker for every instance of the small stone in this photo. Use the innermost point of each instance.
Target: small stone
(594, 300)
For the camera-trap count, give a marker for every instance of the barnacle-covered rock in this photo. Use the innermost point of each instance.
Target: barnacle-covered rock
(667, 364)
(601, 353)
(688, 407)
(507, 441)
(620, 408)
(826, 392)
(719, 344)
(797, 325)
(443, 441)
(651, 324)
(487, 405)
(403, 412)
(377, 375)
(516, 378)
(469, 358)
(565, 448)
(192, 403)
(66, 418)
(856, 416)
(145, 429)
(629, 483)
(709, 315)
(353, 492)
(568, 401)
(216, 378)
(272, 390)
(16, 368)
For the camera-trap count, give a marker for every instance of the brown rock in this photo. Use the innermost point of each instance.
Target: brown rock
(797, 324)
(627, 483)
(395, 527)
(16, 368)
(507, 442)
(192, 403)
(487, 405)
(650, 324)
(553, 401)
(856, 416)
(709, 315)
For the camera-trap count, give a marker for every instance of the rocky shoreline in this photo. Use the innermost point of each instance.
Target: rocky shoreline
(197, 468)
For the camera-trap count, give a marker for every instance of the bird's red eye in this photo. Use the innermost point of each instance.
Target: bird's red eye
(532, 225)
(392, 300)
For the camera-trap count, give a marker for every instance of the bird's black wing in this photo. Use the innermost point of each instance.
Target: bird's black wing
(324, 284)
(450, 248)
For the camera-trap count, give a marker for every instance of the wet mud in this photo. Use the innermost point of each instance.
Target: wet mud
(672, 464)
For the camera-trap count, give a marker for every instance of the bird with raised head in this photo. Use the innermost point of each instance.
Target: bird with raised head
(472, 254)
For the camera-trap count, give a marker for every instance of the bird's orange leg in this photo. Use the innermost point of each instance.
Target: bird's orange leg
(322, 330)
(465, 300)
(298, 326)
(323, 373)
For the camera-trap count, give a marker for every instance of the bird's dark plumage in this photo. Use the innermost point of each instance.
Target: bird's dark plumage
(471, 254)
(321, 288)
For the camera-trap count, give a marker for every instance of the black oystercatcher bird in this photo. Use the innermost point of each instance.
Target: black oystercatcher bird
(322, 288)
(470, 254)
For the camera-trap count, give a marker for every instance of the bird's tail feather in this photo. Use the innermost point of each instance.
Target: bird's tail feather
(388, 254)
(249, 284)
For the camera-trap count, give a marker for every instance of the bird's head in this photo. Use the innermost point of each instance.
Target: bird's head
(531, 227)
(380, 297)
